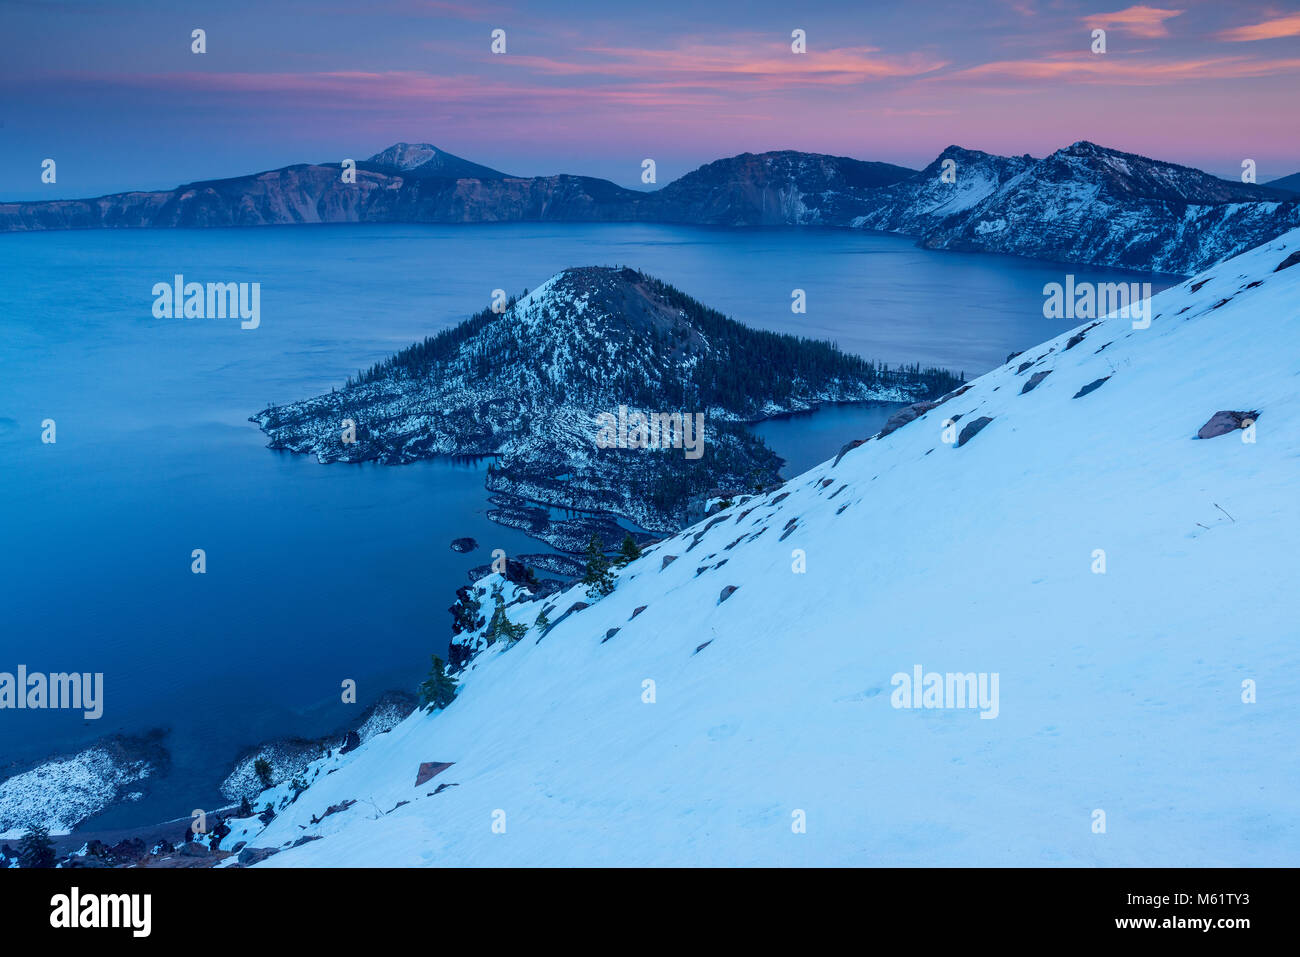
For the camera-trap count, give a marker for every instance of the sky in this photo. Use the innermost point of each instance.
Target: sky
(113, 92)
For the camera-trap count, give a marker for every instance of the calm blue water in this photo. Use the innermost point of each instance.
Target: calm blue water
(317, 574)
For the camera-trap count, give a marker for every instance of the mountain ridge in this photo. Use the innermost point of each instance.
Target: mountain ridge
(1082, 204)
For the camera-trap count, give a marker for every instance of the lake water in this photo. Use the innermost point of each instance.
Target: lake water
(319, 574)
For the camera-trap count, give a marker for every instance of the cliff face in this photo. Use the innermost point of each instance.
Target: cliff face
(317, 194)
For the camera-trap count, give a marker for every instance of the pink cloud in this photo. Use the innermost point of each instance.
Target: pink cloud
(736, 64)
(1139, 21)
(1113, 71)
(1268, 30)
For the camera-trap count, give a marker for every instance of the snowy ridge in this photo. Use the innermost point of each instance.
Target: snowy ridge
(1090, 204)
(1120, 692)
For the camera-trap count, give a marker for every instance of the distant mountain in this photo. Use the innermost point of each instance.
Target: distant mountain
(1090, 204)
(528, 385)
(767, 189)
(1083, 204)
(833, 653)
(1289, 184)
(422, 159)
(917, 204)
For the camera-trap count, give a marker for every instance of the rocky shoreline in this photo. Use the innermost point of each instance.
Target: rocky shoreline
(63, 791)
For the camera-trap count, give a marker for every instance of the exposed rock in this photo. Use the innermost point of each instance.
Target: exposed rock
(253, 855)
(1290, 261)
(901, 418)
(350, 743)
(847, 449)
(1092, 386)
(972, 429)
(1079, 336)
(667, 560)
(727, 593)
(609, 634)
(1223, 422)
(336, 809)
(1032, 384)
(430, 769)
(463, 545)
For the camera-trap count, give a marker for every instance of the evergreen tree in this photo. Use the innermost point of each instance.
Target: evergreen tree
(36, 849)
(439, 689)
(598, 577)
(629, 551)
(262, 768)
(501, 626)
(465, 613)
(245, 809)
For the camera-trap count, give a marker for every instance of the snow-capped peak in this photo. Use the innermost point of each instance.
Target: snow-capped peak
(406, 156)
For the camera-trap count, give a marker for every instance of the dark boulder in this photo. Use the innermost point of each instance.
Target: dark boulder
(1092, 386)
(902, 417)
(430, 769)
(847, 449)
(463, 545)
(972, 429)
(350, 743)
(1034, 379)
(1222, 423)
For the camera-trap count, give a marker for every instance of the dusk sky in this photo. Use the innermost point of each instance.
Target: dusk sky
(112, 92)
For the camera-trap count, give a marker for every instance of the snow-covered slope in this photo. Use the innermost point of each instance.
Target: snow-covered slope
(1119, 692)
(918, 204)
(1087, 203)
